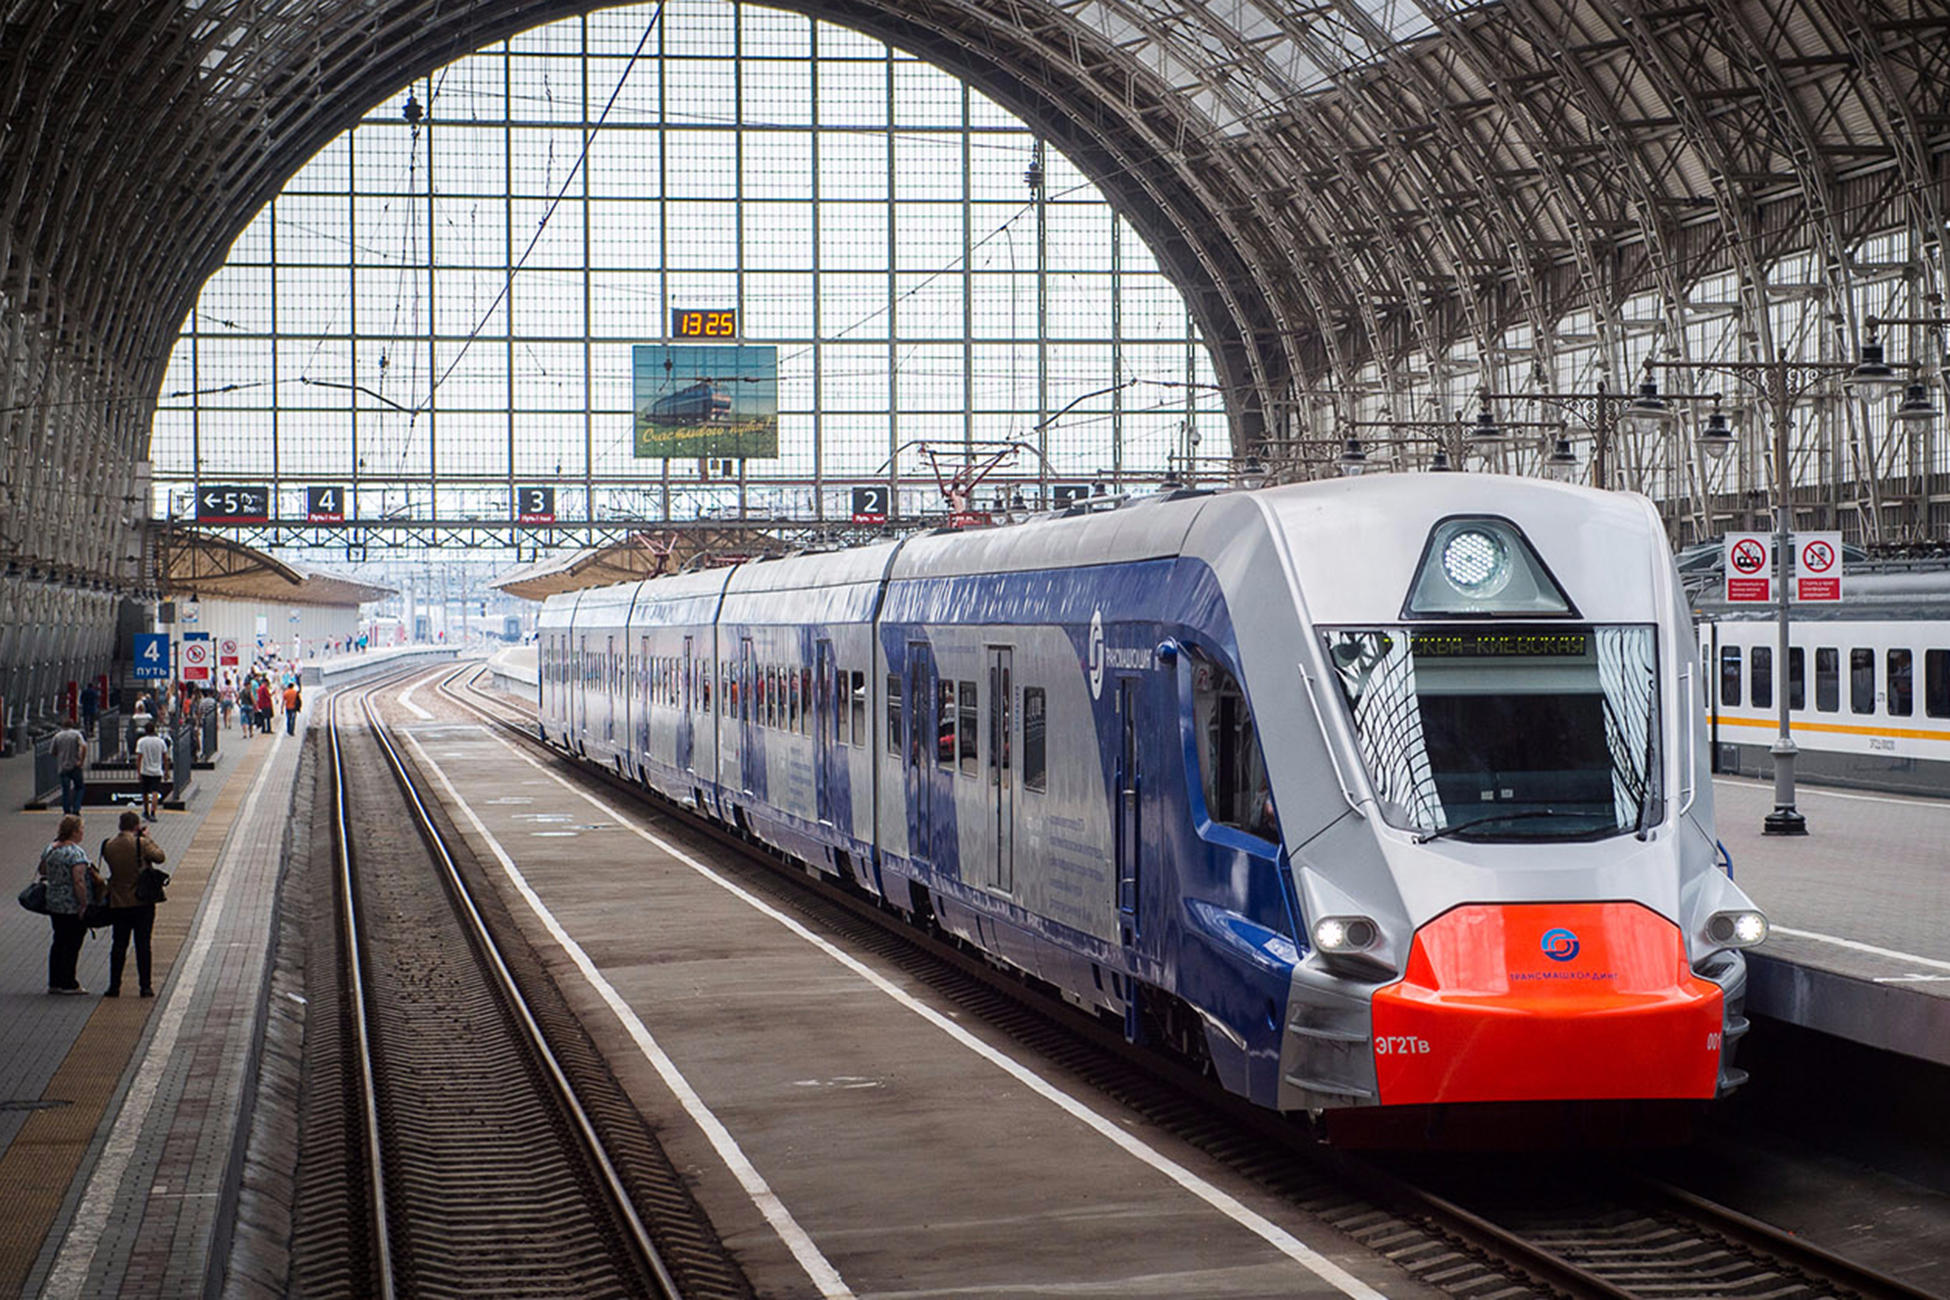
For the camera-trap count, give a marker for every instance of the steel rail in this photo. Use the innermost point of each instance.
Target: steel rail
(638, 1233)
(382, 1244)
(629, 1223)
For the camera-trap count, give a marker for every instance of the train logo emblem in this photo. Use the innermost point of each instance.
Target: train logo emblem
(1560, 945)
(1749, 557)
(1096, 654)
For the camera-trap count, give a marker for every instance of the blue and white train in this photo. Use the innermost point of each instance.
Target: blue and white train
(1383, 791)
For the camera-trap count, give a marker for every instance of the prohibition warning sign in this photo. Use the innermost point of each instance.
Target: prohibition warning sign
(1817, 566)
(1747, 557)
(196, 661)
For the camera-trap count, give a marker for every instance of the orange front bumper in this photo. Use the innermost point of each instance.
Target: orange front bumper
(1547, 1002)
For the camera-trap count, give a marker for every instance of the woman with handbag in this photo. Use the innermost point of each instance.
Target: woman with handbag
(130, 857)
(64, 866)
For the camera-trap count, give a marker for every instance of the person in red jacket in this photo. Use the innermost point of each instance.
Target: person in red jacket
(264, 706)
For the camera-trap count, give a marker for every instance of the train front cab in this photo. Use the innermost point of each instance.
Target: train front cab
(1497, 814)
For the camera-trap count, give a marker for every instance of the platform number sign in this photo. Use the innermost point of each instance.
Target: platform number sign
(325, 505)
(535, 505)
(152, 655)
(1068, 494)
(870, 505)
(1748, 557)
(233, 503)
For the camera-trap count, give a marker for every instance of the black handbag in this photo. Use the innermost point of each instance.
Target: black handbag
(95, 915)
(149, 884)
(34, 897)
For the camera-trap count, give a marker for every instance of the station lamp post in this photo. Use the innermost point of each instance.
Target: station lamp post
(1781, 383)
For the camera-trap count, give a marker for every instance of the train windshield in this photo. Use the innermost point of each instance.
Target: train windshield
(1506, 733)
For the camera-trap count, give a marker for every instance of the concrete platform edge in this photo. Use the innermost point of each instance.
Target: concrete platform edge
(1886, 1016)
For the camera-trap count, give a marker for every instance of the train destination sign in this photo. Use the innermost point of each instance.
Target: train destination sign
(233, 503)
(692, 323)
(1748, 559)
(1499, 645)
(325, 505)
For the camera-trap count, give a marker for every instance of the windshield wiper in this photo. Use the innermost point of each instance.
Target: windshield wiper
(1459, 827)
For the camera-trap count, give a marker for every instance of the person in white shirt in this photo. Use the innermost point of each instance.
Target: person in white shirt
(149, 753)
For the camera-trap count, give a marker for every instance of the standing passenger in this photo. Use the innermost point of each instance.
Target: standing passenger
(293, 702)
(64, 865)
(149, 753)
(264, 706)
(71, 757)
(126, 855)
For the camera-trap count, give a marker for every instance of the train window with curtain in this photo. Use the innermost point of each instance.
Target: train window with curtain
(1936, 683)
(1231, 768)
(971, 730)
(894, 714)
(1035, 744)
(1861, 680)
(1828, 679)
(860, 709)
(1898, 671)
(1760, 677)
(944, 726)
(1730, 676)
(1797, 678)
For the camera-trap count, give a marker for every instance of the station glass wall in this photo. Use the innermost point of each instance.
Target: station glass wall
(440, 307)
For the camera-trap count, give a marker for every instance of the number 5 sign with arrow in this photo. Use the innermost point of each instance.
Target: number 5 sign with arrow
(1748, 558)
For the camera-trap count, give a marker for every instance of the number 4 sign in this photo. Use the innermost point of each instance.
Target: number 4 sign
(151, 653)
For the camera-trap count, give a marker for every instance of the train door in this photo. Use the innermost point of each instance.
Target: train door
(686, 715)
(582, 688)
(747, 730)
(1129, 781)
(1001, 765)
(920, 749)
(824, 709)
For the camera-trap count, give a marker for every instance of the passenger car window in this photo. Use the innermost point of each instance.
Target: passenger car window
(1760, 677)
(1828, 679)
(1035, 753)
(1861, 680)
(1936, 683)
(944, 725)
(894, 714)
(1899, 674)
(860, 709)
(1730, 676)
(971, 729)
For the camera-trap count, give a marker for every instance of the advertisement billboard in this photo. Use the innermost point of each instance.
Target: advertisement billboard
(709, 400)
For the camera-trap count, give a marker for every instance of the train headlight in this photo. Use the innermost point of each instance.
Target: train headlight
(1344, 934)
(1742, 929)
(1477, 562)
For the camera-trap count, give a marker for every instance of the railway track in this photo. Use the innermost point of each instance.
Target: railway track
(472, 1164)
(1507, 1232)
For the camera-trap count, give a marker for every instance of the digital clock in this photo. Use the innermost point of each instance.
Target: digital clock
(688, 323)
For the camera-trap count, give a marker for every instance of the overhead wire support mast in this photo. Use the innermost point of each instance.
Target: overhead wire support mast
(1781, 383)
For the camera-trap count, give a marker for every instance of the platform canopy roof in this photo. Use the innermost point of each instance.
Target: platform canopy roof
(645, 555)
(1331, 184)
(204, 565)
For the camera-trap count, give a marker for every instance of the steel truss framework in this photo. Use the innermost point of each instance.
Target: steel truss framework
(1407, 196)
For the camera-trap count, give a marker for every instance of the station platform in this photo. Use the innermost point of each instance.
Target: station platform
(1858, 947)
(122, 1121)
(356, 665)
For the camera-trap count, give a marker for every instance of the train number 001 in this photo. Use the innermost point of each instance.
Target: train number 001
(1401, 1045)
